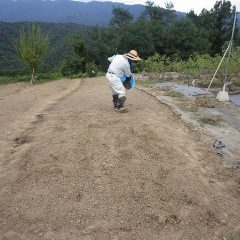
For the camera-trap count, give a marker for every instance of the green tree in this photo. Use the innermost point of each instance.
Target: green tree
(224, 14)
(77, 62)
(138, 36)
(157, 20)
(72, 65)
(184, 39)
(156, 13)
(120, 20)
(217, 22)
(121, 17)
(32, 45)
(101, 45)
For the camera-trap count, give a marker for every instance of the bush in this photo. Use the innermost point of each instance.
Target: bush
(41, 77)
(201, 67)
(5, 79)
(91, 69)
(72, 66)
(213, 120)
(206, 101)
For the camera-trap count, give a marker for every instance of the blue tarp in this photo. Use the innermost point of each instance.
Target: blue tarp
(235, 99)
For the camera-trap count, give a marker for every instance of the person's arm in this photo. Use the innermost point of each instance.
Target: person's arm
(127, 71)
(111, 58)
(127, 83)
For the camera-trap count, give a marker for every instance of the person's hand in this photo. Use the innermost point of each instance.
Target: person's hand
(127, 83)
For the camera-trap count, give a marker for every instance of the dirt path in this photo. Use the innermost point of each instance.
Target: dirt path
(21, 104)
(79, 170)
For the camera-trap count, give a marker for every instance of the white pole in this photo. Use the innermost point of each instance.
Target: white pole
(230, 50)
(218, 67)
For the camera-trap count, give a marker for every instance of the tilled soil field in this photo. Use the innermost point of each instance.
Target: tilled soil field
(73, 168)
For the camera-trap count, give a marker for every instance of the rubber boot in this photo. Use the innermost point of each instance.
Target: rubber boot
(115, 100)
(120, 104)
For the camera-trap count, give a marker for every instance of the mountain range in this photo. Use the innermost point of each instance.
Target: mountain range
(64, 11)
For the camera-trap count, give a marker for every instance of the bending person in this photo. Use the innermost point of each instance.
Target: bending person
(120, 66)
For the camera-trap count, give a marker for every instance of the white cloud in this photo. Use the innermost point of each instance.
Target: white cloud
(180, 5)
(197, 6)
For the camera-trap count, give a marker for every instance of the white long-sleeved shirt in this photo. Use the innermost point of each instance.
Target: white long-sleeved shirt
(119, 66)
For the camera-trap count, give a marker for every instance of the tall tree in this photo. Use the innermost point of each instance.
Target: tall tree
(76, 63)
(184, 39)
(138, 36)
(218, 22)
(155, 13)
(32, 45)
(224, 14)
(101, 45)
(121, 17)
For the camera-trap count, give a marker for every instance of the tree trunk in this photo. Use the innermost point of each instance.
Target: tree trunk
(33, 76)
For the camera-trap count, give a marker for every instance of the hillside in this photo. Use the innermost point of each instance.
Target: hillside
(146, 35)
(64, 11)
(59, 47)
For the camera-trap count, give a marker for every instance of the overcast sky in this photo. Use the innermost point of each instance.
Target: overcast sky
(181, 5)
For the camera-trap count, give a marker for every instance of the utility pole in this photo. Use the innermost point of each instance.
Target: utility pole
(229, 51)
(230, 48)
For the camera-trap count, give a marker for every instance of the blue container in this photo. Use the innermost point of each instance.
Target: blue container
(132, 81)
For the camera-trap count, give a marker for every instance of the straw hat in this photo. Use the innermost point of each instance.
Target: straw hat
(133, 55)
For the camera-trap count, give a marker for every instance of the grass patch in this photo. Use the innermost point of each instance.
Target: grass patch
(9, 79)
(45, 77)
(7, 158)
(83, 141)
(173, 93)
(188, 199)
(204, 82)
(4, 79)
(147, 82)
(188, 107)
(238, 181)
(160, 177)
(165, 89)
(206, 101)
(231, 237)
(213, 120)
(40, 78)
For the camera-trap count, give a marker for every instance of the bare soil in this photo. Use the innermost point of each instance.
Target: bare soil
(220, 121)
(72, 168)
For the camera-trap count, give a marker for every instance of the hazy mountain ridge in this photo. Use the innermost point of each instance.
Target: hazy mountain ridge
(64, 11)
